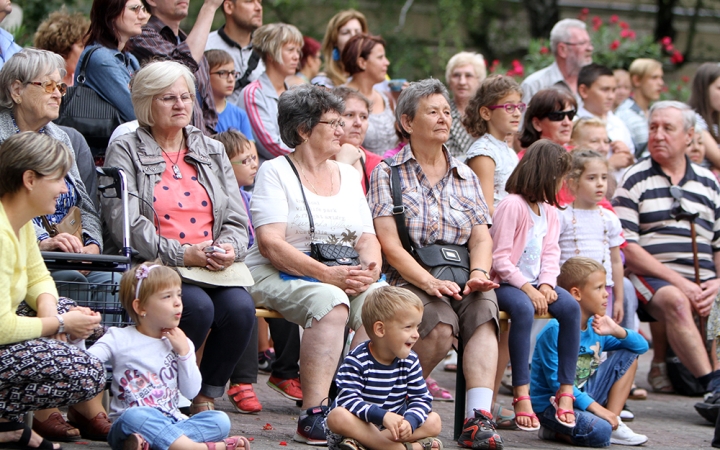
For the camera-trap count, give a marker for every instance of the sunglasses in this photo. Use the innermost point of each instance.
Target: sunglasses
(559, 116)
(50, 86)
(676, 210)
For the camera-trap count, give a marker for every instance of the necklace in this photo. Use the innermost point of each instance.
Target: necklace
(605, 232)
(312, 186)
(176, 170)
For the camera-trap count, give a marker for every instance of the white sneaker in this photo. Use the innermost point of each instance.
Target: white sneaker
(625, 436)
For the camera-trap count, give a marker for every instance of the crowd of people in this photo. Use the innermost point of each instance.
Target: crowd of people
(269, 170)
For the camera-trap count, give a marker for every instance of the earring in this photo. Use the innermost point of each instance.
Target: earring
(17, 100)
(143, 314)
(336, 54)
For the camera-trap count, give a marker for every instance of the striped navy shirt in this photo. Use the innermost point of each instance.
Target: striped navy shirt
(643, 203)
(369, 389)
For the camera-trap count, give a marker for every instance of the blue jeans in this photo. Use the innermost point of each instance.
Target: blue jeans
(590, 430)
(521, 310)
(160, 431)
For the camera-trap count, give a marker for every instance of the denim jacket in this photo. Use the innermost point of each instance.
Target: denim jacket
(141, 158)
(108, 73)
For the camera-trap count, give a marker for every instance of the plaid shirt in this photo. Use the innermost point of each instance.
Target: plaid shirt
(158, 42)
(444, 213)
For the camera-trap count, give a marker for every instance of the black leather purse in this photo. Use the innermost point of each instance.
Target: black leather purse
(83, 109)
(449, 262)
(328, 254)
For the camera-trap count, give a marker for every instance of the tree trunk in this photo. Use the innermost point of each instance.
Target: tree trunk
(664, 22)
(543, 15)
(692, 30)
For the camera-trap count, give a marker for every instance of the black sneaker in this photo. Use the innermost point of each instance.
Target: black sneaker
(265, 360)
(311, 426)
(479, 433)
(710, 407)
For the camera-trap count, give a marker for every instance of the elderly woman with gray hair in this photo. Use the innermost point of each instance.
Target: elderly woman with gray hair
(444, 213)
(300, 201)
(185, 209)
(464, 73)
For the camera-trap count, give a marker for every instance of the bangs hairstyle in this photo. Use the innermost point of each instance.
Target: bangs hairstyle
(587, 122)
(580, 159)
(387, 303)
(103, 15)
(700, 100)
(589, 74)
(31, 151)
(60, 31)
(159, 278)
(463, 59)
(537, 175)
(269, 40)
(154, 79)
(334, 69)
(642, 67)
(234, 141)
(300, 109)
(576, 270)
(359, 46)
(491, 91)
(217, 58)
(25, 66)
(410, 97)
(542, 104)
(345, 93)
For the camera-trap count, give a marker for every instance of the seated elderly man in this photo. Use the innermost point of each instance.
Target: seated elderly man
(655, 201)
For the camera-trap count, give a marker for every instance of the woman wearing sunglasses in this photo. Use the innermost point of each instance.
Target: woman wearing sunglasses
(549, 116)
(29, 101)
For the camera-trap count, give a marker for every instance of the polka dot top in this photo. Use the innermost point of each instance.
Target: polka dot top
(183, 206)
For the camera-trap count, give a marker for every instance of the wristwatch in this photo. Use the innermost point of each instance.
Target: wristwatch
(487, 275)
(61, 328)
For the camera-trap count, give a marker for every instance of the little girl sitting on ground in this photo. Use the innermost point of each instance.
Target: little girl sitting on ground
(153, 362)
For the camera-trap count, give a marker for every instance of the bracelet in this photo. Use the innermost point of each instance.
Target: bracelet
(61, 328)
(481, 270)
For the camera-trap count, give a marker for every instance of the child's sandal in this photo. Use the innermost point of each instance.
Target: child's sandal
(231, 443)
(559, 411)
(350, 444)
(426, 443)
(525, 414)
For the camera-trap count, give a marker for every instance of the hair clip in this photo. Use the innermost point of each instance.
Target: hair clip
(141, 273)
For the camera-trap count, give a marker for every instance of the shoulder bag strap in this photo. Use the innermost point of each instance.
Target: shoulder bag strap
(252, 64)
(83, 66)
(302, 190)
(48, 226)
(364, 171)
(398, 207)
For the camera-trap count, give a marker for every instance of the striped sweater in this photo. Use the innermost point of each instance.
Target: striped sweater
(369, 389)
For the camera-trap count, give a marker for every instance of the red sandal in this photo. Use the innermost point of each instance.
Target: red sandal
(524, 414)
(231, 443)
(559, 412)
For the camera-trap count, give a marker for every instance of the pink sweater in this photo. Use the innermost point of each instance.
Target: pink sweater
(511, 223)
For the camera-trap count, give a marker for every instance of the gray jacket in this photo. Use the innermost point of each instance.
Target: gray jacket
(90, 218)
(141, 158)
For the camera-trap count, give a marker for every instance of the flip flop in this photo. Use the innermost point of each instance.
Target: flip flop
(559, 411)
(22, 443)
(525, 414)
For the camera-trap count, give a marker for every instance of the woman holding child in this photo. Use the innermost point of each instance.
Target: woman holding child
(293, 194)
(443, 205)
(184, 183)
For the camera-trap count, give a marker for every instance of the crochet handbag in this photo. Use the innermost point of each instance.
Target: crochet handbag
(328, 254)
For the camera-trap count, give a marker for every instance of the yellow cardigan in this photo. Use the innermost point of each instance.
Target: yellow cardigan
(23, 276)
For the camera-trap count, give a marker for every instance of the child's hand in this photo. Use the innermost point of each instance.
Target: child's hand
(549, 293)
(605, 326)
(392, 422)
(608, 415)
(177, 339)
(618, 311)
(405, 431)
(537, 298)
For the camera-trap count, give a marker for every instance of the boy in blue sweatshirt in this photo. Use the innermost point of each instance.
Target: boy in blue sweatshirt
(601, 388)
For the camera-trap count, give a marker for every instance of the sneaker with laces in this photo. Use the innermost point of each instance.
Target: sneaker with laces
(288, 388)
(243, 398)
(311, 426)
(623, 435)
(479, 433)
(265, 360)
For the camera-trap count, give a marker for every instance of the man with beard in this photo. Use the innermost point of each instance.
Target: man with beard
(242, 18)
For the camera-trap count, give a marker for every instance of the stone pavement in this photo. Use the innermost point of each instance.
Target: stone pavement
(668, 420)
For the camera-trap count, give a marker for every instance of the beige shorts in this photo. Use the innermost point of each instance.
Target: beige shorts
(301, 301)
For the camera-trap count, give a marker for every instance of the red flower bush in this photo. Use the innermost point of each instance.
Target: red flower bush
(614, 45)
(614, 19)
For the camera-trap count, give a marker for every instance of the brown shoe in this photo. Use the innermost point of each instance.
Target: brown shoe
(95, 429)
(55, 428)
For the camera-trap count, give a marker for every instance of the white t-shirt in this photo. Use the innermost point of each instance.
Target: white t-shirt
(504, 157)
(339, 219)
(589, 231)
(147, 371)
(531, 259)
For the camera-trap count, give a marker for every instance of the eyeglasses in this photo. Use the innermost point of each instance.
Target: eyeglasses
(559, 116)
(227, 74)
(333, 123)
(137, 9)
(171, 100)
(510, 107)
(50, 86)
(581, 43)
(245, 161)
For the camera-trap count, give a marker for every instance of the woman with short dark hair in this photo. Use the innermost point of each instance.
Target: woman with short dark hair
(549, 116)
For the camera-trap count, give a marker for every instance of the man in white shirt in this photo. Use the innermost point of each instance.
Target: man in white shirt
(242, 18)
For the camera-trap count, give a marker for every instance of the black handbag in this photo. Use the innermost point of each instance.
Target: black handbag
(83, 109)
(449, 262)
(328, 254)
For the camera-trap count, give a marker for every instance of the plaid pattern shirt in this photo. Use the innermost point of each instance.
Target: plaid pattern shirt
(158, 42)
(443, 213)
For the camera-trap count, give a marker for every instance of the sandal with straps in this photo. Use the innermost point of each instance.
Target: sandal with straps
(426, 443)
(195, 407)
(350, 444)
(503, 421)
(525, 414)
(231, 443)
(24, 441)
(554, 400)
